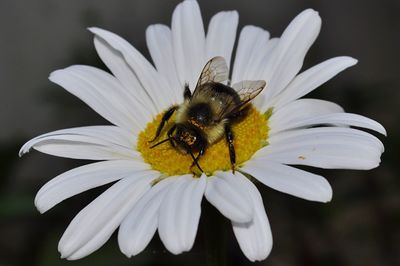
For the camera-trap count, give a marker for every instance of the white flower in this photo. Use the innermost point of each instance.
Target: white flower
(143, 200)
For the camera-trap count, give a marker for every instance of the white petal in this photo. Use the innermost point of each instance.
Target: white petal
(221, 35)
(138, 228)
(180, 213)
(299, 110)
(102, 92)
(93, 226)
(90, 143)
(312, 78)
(155, 84)
(295, 136)
(117, 64)
(254, 237)
(324, 147)
(261, 101)
(344, 119)
(159, 41)
(290, 52)
(251, 52)
(84, 178)
(289, 180)
(225, 191)
(188, 39)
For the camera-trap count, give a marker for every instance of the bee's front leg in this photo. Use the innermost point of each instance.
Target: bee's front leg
(164, 120)
(229, 139)
(169, 134)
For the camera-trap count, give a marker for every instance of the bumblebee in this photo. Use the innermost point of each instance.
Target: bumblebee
(206, 115)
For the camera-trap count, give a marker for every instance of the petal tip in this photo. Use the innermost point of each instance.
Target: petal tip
(382, 130)
(233, 13)
(327, 200)
(63, 253)
(94, 30)
(24, 150)
(53, 76)
(245, 218)
(155, 26)
(127, 253)
(327, 197)
(100, 32)
(309, 12)
(39, 205)
(351, 60)
(124, 246)
(326, 192)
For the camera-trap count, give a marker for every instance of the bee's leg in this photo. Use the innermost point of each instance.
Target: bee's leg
(187, 94)
(229, 139)
(164, 119)
(169, 134)
(170, 138)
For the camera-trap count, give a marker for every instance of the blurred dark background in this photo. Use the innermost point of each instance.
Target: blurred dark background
(360, 225)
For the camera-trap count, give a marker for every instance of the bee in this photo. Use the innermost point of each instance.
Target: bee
(207, 114)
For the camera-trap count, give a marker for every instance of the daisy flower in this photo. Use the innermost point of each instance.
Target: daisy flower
(154, 189)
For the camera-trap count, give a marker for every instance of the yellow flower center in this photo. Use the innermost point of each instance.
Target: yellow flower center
(250, 134)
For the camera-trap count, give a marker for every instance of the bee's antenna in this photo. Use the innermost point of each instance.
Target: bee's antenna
(195, 161)
(158, 143)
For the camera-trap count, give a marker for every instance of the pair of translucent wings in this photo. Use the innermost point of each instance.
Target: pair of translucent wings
(216, 70)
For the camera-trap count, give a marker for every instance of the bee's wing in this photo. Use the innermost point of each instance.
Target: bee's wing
(247, 91)
(216, 70)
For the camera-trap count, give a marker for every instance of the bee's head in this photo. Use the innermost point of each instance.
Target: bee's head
(188, 139)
